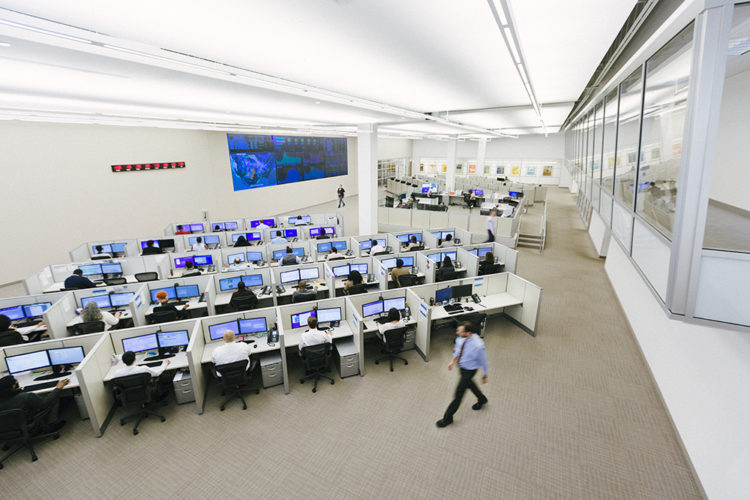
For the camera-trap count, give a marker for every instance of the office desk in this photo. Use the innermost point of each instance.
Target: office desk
(27, 378)
(289, 290)
(490, 304)
(305, 260)
(194, 306)
(77, 319)
(222, 299)
(59, 285)
(26, 330)
(243, 269)
(343, 257)
(420, 277)
(292, 337)
(178, 276)
(340, 282)
(259, 346)
(177, 362)
(370, 326)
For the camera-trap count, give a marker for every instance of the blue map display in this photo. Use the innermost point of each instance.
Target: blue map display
(268, 160)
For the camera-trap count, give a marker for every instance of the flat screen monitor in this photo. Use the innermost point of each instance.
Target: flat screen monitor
(479, 192)
(216, 332)
(187, 291)
(451, 255)
(111, 268)
(278, 254)
(267, 222)
(253, 280)
(310, 273)
(230, 258)
(13, 313)
(365, 245)
(91, 269)
(403, 238)
(299, 252)
(443, 294)
(445, 234)
(178, 338)
(169, 290)
(481, 252)
(65, 356)
(389, 263)
(314, 232)
(118, 247)
(381, 242)
(236, 237)
(209, 239)
(254, 236)
(473, 251)
(35, 310)
(289, 276)
(106, 248)
(180, 261)
(254, 256)
(218, 226)
(230, 226)
(329, 314)
(26, 362)
(100, 300)
(305, 219)
(140, 343)
(396, 302)
(203, 260)
(195, 228)
(339, 245)
(513, 194)
(426, 189)
(300, 319)
(144, 244)
(164, 243)
(416, 235)
(408, 261)
(437, 234)
(362, 268)
(329, 230)
(120, 299)
(229, 283)
(372, 308)
(253, 325)
(340, 271)
(461, 291)
(290, 233)
(324, 247)
(435, 257)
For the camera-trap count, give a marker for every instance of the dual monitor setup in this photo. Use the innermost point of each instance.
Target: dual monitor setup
(26, 312)
(110, 248)
(265, 222)
(241, 326)
(391, 263)
(456, 292)
(480, 252)
(441, 235)
(228, 284)
(176, 292)
(245, 257)
(406, 238)
(109, 268)
(197, 260)
(279, 254)
(429, 186)
(208, 240)
(382, 306)
(224, 226)
(299, 221)
(346, 269)
(251, 236)
(326, 247)
(111, 300)
(439, 257)
(331, 315)
(310, 273)
(164, 244)
(320, 231)
(166, 343)
(192, 228)
(367, 244)
(58, 359)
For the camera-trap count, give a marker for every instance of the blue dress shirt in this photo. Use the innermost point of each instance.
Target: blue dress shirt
(473, 356)
(278, 239)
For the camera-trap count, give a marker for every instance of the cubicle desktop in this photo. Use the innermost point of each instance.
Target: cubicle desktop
(254, 236)
(198, 292)
(363, 243)
(26, 311)
(212, 240)
(167, 244)
(226, 225)
(287, 277)
(187, 227)
(389, 261)
(253, 223)
(337, 272)
(504, 255)
(117, 298)
(115, 248)
(255, 256)
(299, 248)
(259, 281)
(399, 239)
(322, 248)
(206, 261)
(435, 236)
(432, 260)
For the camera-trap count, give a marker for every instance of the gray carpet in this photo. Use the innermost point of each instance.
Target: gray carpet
(572, 413)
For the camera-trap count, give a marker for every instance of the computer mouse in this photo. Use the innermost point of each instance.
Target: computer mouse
(255, 346)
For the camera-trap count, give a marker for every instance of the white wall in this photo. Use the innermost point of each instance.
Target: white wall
(60, 190)
(526, 147)
(393, 148)
(730, 179)
(702, 373)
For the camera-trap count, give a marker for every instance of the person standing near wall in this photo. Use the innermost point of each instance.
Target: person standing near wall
(340, 191)
(491, 226)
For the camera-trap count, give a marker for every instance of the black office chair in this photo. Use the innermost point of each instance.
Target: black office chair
(147, 276)
(494, 268)
(393, 342)
(89, 327)
(244, 303)
(316, 359)
(234, 379)
(380, 253)
(17, 428)
(446, 274)
(407, 280)
(304, 296)
(115, 281)
(357, 289)
(478, 322)
(136, 390)
(164, 316)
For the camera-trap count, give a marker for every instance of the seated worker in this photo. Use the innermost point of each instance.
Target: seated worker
(487, 265)
(217, 228)
(164, 305)
(303, 291)
(397, 271)
(151, 249)
(448, 241)
(334, 254)
(313, 336)
(400, 204)
(92, 313)
(230, 351)
(77, 281)
(130, 368)
(262, 225)
(393, 321)
(190, 270)
(238, 265)
(446, 268)
(8, 334)
(289, 259)
(242, 291)
(180, 230)
(412, 201)
(411, 244)
(13, 397)
(198, 245)
(355, 278)
(278, 239)
(376, 248)
(242, 242)
(101, 253)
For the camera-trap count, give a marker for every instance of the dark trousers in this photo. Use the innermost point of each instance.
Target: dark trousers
(490, 237)
(465, 382)
(341, 201)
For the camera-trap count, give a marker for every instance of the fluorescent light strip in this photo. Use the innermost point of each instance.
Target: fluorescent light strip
(43, 31)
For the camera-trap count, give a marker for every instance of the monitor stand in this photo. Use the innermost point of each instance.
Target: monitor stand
(57, 372)
(163, 354)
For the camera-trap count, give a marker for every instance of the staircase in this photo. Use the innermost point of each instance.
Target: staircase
(535, 232)
(531, 241)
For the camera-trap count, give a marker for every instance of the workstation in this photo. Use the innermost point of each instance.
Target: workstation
(226, 225)
(163, 244)
(203, 262)
(109, 249)
(259, 281)
(250, 258)
(255, 236)
(437, 236)
(276, 252)
(192, 296)
(287, 278)
(410, 261)
(400, 239)
(504, 256)
(262, 222)
(112, 299)
(185, 228)
(364, 243)
(28, 315)
(337, 273)
(432, 261)
(212, 241)
(322, 249)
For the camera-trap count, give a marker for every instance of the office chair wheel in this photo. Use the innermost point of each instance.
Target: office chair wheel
(221, 408)
(406, 362)
(377, 362)
(56, 435)
(391, 368)
(257, 391)
(331, 382)
(135, 432)
(122, 421)
(244, 406)
(163, 419)
(1, 466)
(34, 458)
(315, 390)
(301, 381)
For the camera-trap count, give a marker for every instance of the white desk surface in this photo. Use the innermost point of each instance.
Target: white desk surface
(55, 287)
(390, 280)
(26, 330)
(371, 326)
(176, 362)
(194, 305)
(257, 347)
(125, 314)
(244, 269)
(174, 276)
(223, 298)
(27, 378)
(322, 258)
(320, 287)
(292, 337)
(490, 303)
(340, 282)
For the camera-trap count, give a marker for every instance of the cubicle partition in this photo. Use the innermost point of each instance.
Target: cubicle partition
(225, 284)
(360, 245)
(322, 248)
(34, 308)
(257, 256)
(115, 248)
(58, 315)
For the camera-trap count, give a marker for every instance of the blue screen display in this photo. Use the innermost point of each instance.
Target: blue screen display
(290, 233)
(443, 295)
(339, 245)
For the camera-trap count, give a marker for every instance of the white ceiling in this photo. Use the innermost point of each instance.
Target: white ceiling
(301, 64)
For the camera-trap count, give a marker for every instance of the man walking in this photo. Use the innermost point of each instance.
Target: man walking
(341, 192)
(469, 355)
(491, 226)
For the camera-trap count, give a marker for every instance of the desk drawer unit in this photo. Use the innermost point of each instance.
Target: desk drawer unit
(347, 358)
(270, 369)
(183, 388)
(410, 339)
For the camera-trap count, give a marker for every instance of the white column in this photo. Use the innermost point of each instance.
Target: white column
(414, 160)
(367, 178)
(481, 154)
(450, 173)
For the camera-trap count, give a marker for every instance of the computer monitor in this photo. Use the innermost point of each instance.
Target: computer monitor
(435, 257)
(65, 356)
(169, 290)
(111, 268)
(340, 271)
(416, 235)
(329, 230)
(290, 233)
(253, 280)
(35, 310)
(106, 248)
(403, 238)
(13, 313)
(203, 260)
(218, 226)
(289, 276)
(443, 294)
(372, 308)
(329, 314)
(26, 362)
(310, 273)
(459, 291)
(253, 325)
(187, 291)
(513, 194)
(140, 343)
(230, 258)
(445, 234)
(236, 237)
(314, 232)
(144, 244)
(426, 189)
(452, 256)
(339, 245)
(299, 252)
(479, 192)
(229, 283)
(361, 268)
(300, 319)
(118, 247)
(267, 222)
(408, 261)
(381, 242)
(216, 331)
(178, 338)
(437, 234)
(196, 228)
(254, 236)
(254, 256)
(365, 245)
(209, 239)
(481, 252)
(120, 299)
(101, 300)
(278, 254)
(389, 263)
(396, 302)
(230, 226)
(180, 261)
(324, 247)
(91, 269)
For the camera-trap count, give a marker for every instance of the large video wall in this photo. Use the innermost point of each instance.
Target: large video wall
(269, 160)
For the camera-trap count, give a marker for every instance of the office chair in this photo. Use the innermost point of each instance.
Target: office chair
(17, 427)
(234, 378)
(494, 268)
(305, 296)
(244, 303)
(136, 390)
(115, 281)
(380, 253)
(407, 280)
(89, 327)
(446, 274)
(417, 249)
(147, 276)
(357, 289)
(164, 316)
(478, 322)
(316, 359)
(393, 342)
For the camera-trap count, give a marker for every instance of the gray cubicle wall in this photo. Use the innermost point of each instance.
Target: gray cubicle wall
(55, 326)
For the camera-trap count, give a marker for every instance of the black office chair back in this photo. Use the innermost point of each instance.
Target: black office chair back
(100, 257)
(407, 280)
(164, 316)
(147, 276)
(316, 356)
(115, 281)
(478, 322)
(13, 425)
(446, 274)
(244, 303)
(89, 327)
(306, 296)
(233, 374)
(494, 268)
(132, 390)
(357, 289)
(380, 253)
(394, 339)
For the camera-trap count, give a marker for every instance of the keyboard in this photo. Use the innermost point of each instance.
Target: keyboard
(453, 308)
(42, 385)
(24, 324)
(151, 365)
(381, 320)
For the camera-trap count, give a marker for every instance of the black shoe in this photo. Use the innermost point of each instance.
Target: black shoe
(478, 405)
(443, 422)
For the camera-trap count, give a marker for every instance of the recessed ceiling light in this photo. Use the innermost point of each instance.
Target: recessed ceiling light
(4, 44)
(317, 102)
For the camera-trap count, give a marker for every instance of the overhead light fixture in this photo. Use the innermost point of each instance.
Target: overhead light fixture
(500, 13)
(43, 31)
(4, 44)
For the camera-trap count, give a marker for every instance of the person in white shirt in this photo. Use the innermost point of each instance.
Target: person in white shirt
(334, 254)
(92, 313)
(313, 336)
(394, 321)
(263, 225)
(131, 368)
(238, 265)
(101, 253)
(198, 246)
(230, 351)
(448, 241)
(278, 239)
(376, 248)
(411, 244)
(491, 225)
